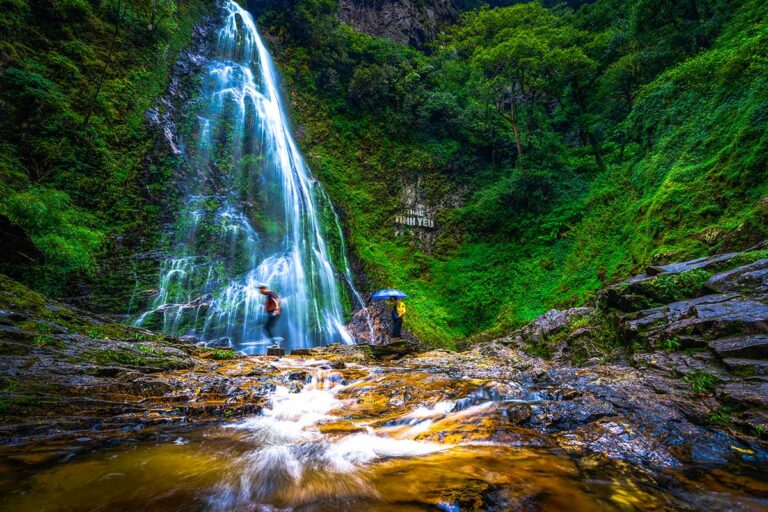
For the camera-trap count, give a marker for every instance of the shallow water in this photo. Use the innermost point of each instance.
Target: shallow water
(341, 445)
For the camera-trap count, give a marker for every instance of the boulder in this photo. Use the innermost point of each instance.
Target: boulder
(549, 323)
(717, 319)
(223, 342)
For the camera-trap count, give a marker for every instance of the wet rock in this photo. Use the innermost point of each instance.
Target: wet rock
(392, 350)
(685, 266)
(338, 365)
(569, 415)
(301, 376)
(519, 414)
(723, 318)
(223, 342)
(747, 367)
(618, 440)
(750, 279)
(754, 393)
(754, 347)
(756, 420)
(710, 317)
(678, 364)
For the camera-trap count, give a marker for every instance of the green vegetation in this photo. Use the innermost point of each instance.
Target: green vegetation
(222, 354)
(722, 417)
(565, 148)
(666, 288)
(50, 319)
(701, 381)
(76, 80)
(141, 356)
(672, 344)
(581, 145)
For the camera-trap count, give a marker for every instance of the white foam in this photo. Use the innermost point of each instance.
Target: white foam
(351, 452)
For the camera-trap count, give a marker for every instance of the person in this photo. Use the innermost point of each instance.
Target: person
(272, 308)
(398, 312)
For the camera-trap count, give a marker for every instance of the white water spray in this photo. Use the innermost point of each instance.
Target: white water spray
(252, 213)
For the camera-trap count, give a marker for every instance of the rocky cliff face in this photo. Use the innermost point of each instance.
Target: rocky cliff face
(700, 326)
(402, 21)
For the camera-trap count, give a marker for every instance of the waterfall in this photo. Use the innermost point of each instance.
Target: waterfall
(252, 213)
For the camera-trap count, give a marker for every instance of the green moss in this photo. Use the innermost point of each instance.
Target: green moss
(222, 354)
(672, 344)
(48, 341)
(140, 359)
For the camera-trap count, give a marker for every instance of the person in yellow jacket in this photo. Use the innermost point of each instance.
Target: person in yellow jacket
(398, 312)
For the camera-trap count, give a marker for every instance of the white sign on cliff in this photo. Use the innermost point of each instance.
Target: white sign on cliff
(415, 217)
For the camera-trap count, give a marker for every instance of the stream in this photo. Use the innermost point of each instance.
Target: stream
(374, 438)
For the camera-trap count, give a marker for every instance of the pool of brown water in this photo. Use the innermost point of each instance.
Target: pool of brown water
(334, 441)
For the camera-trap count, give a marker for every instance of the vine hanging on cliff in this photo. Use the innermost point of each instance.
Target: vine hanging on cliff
(106, 67)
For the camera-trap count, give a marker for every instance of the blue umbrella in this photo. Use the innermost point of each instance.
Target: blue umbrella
(388, 294)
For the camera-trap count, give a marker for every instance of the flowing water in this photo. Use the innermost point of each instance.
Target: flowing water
(361, 439)
(252, 214)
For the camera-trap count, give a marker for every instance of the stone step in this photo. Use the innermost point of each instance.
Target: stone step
(747, 366)
(745, 393)
(742, 347)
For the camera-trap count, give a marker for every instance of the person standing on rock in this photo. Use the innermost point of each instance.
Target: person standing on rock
(398, 312)
(272, 308)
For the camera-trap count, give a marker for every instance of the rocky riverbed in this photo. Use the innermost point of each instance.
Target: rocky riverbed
(654, 399)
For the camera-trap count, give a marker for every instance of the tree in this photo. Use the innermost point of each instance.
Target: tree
(526, 56)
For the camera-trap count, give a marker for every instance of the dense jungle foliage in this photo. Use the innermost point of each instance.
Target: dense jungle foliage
(582, 144)
(76, 80)
(566, 147)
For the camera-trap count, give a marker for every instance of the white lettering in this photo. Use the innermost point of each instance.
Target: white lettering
(415, 217)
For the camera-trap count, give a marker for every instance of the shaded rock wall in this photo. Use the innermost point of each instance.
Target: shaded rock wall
(401, 21)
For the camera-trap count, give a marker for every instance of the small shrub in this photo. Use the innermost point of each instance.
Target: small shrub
(722, 417)
(672, 344)
(702, 381)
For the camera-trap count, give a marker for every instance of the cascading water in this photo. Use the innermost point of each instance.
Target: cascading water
(252, 213)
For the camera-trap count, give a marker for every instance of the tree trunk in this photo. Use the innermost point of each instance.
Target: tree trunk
(513, 118)
(596, 151)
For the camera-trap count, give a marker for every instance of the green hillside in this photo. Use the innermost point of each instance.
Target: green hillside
(563, 148)
(642, 131)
